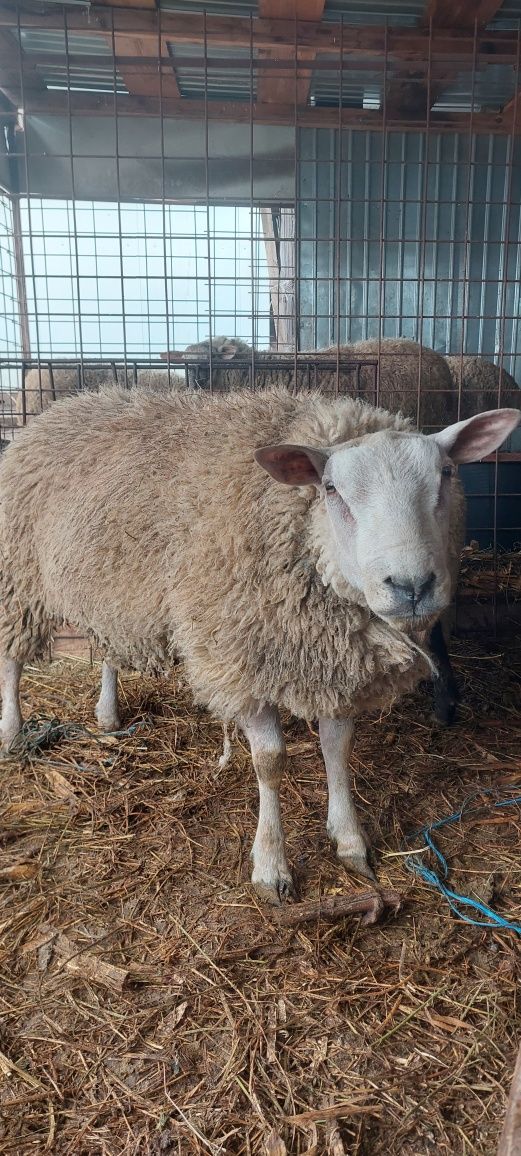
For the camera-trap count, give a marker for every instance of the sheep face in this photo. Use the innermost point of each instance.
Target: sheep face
(223, 349)
(387, 508)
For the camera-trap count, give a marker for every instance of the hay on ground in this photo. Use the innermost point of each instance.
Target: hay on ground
(150, 1004)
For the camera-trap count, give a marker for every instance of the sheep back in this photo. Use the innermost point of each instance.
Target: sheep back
(145, 522)
(481, 382)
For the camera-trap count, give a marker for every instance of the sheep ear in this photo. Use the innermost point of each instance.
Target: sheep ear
(471, 440)
(293, 465)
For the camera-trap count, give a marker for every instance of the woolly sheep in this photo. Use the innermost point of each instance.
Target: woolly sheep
(312, 596)
(402, 365)
(483, 385)
(41, 390)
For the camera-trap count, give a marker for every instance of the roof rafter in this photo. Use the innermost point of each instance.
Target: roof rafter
(295, 84)
(242, 112)
(414, 97)
(404, 44)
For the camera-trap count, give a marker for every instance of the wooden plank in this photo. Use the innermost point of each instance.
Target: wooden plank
(510, 1139)
(280, 254)
(145, 81)
(272, 261)
(150, 63)
(185, 28)
(293, 85)
(239, 112)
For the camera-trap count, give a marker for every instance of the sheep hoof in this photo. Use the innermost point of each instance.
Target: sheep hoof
(7, 738)
(276, 893)
(358, 865)
(108, 724)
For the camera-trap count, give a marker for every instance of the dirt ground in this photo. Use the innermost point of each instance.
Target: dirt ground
(150, 1004)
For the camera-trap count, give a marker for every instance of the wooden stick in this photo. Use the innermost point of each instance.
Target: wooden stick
(510, 1140)
(330, 908)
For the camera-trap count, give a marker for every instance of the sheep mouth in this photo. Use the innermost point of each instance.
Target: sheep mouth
(416, 620)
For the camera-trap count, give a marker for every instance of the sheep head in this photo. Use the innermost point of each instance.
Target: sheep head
(388, 498)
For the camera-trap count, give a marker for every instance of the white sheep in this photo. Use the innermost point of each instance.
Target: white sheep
(313, 596)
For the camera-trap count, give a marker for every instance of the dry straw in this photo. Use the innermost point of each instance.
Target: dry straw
(150, 1004)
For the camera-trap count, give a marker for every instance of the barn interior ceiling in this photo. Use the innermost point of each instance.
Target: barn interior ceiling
(278, 62)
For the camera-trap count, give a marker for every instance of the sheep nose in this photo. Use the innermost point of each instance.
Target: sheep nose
(411, 589)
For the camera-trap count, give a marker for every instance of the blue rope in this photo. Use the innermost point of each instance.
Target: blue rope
(439, 880)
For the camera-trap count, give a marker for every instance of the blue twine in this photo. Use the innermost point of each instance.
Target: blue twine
(435, 879)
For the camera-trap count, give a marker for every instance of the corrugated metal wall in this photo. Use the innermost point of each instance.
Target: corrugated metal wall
(425, 232)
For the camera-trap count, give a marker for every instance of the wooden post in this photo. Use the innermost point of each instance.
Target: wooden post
(510, 1140)
(280, 256)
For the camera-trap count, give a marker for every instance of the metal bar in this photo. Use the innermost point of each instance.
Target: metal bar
(163, 196)
(207, 191)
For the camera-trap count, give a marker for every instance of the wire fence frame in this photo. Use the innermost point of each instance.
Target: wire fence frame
(303, 226)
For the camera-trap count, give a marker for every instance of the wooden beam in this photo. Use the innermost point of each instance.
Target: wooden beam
(239, 112)
(400, 43)
(153, 82)
(148, 65)
(293, 85)
(461, 13)
(510, 1139)
(280, 258)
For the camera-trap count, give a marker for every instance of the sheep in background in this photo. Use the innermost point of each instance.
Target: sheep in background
(413, 381)
(41, 389)
(402, 365)
(311, 596)
(483, 385)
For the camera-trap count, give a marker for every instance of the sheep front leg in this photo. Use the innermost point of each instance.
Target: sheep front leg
(343, 827)
(107, 706)
(271, 876)
(12, 721)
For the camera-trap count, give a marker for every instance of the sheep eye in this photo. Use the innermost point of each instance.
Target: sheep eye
(330, 488)
(447, 472)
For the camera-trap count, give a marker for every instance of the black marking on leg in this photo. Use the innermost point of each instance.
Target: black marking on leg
(444, 688)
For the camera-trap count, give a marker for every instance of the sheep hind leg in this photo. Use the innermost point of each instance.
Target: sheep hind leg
(12, 721)
(107, 706)
(343, 827)
(444, 688)
(271, 875)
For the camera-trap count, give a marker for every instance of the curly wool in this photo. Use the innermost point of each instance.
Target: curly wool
(41, 390)
(413, 380)
(483, 385)
(145, 522)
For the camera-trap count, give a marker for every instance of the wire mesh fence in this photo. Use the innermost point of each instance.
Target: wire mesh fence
(298, 195)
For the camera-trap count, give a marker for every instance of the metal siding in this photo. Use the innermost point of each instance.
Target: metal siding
(449, 275)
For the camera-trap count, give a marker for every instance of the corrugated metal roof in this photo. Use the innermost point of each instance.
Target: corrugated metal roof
(401, 13)
(59, 78)
(219, 84)
(508, 16)
(212, 7)
(493, 87)
(359, 90)
(43, 40)
(359, 86)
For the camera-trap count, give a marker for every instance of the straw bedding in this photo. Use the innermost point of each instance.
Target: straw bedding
(150, 1004)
